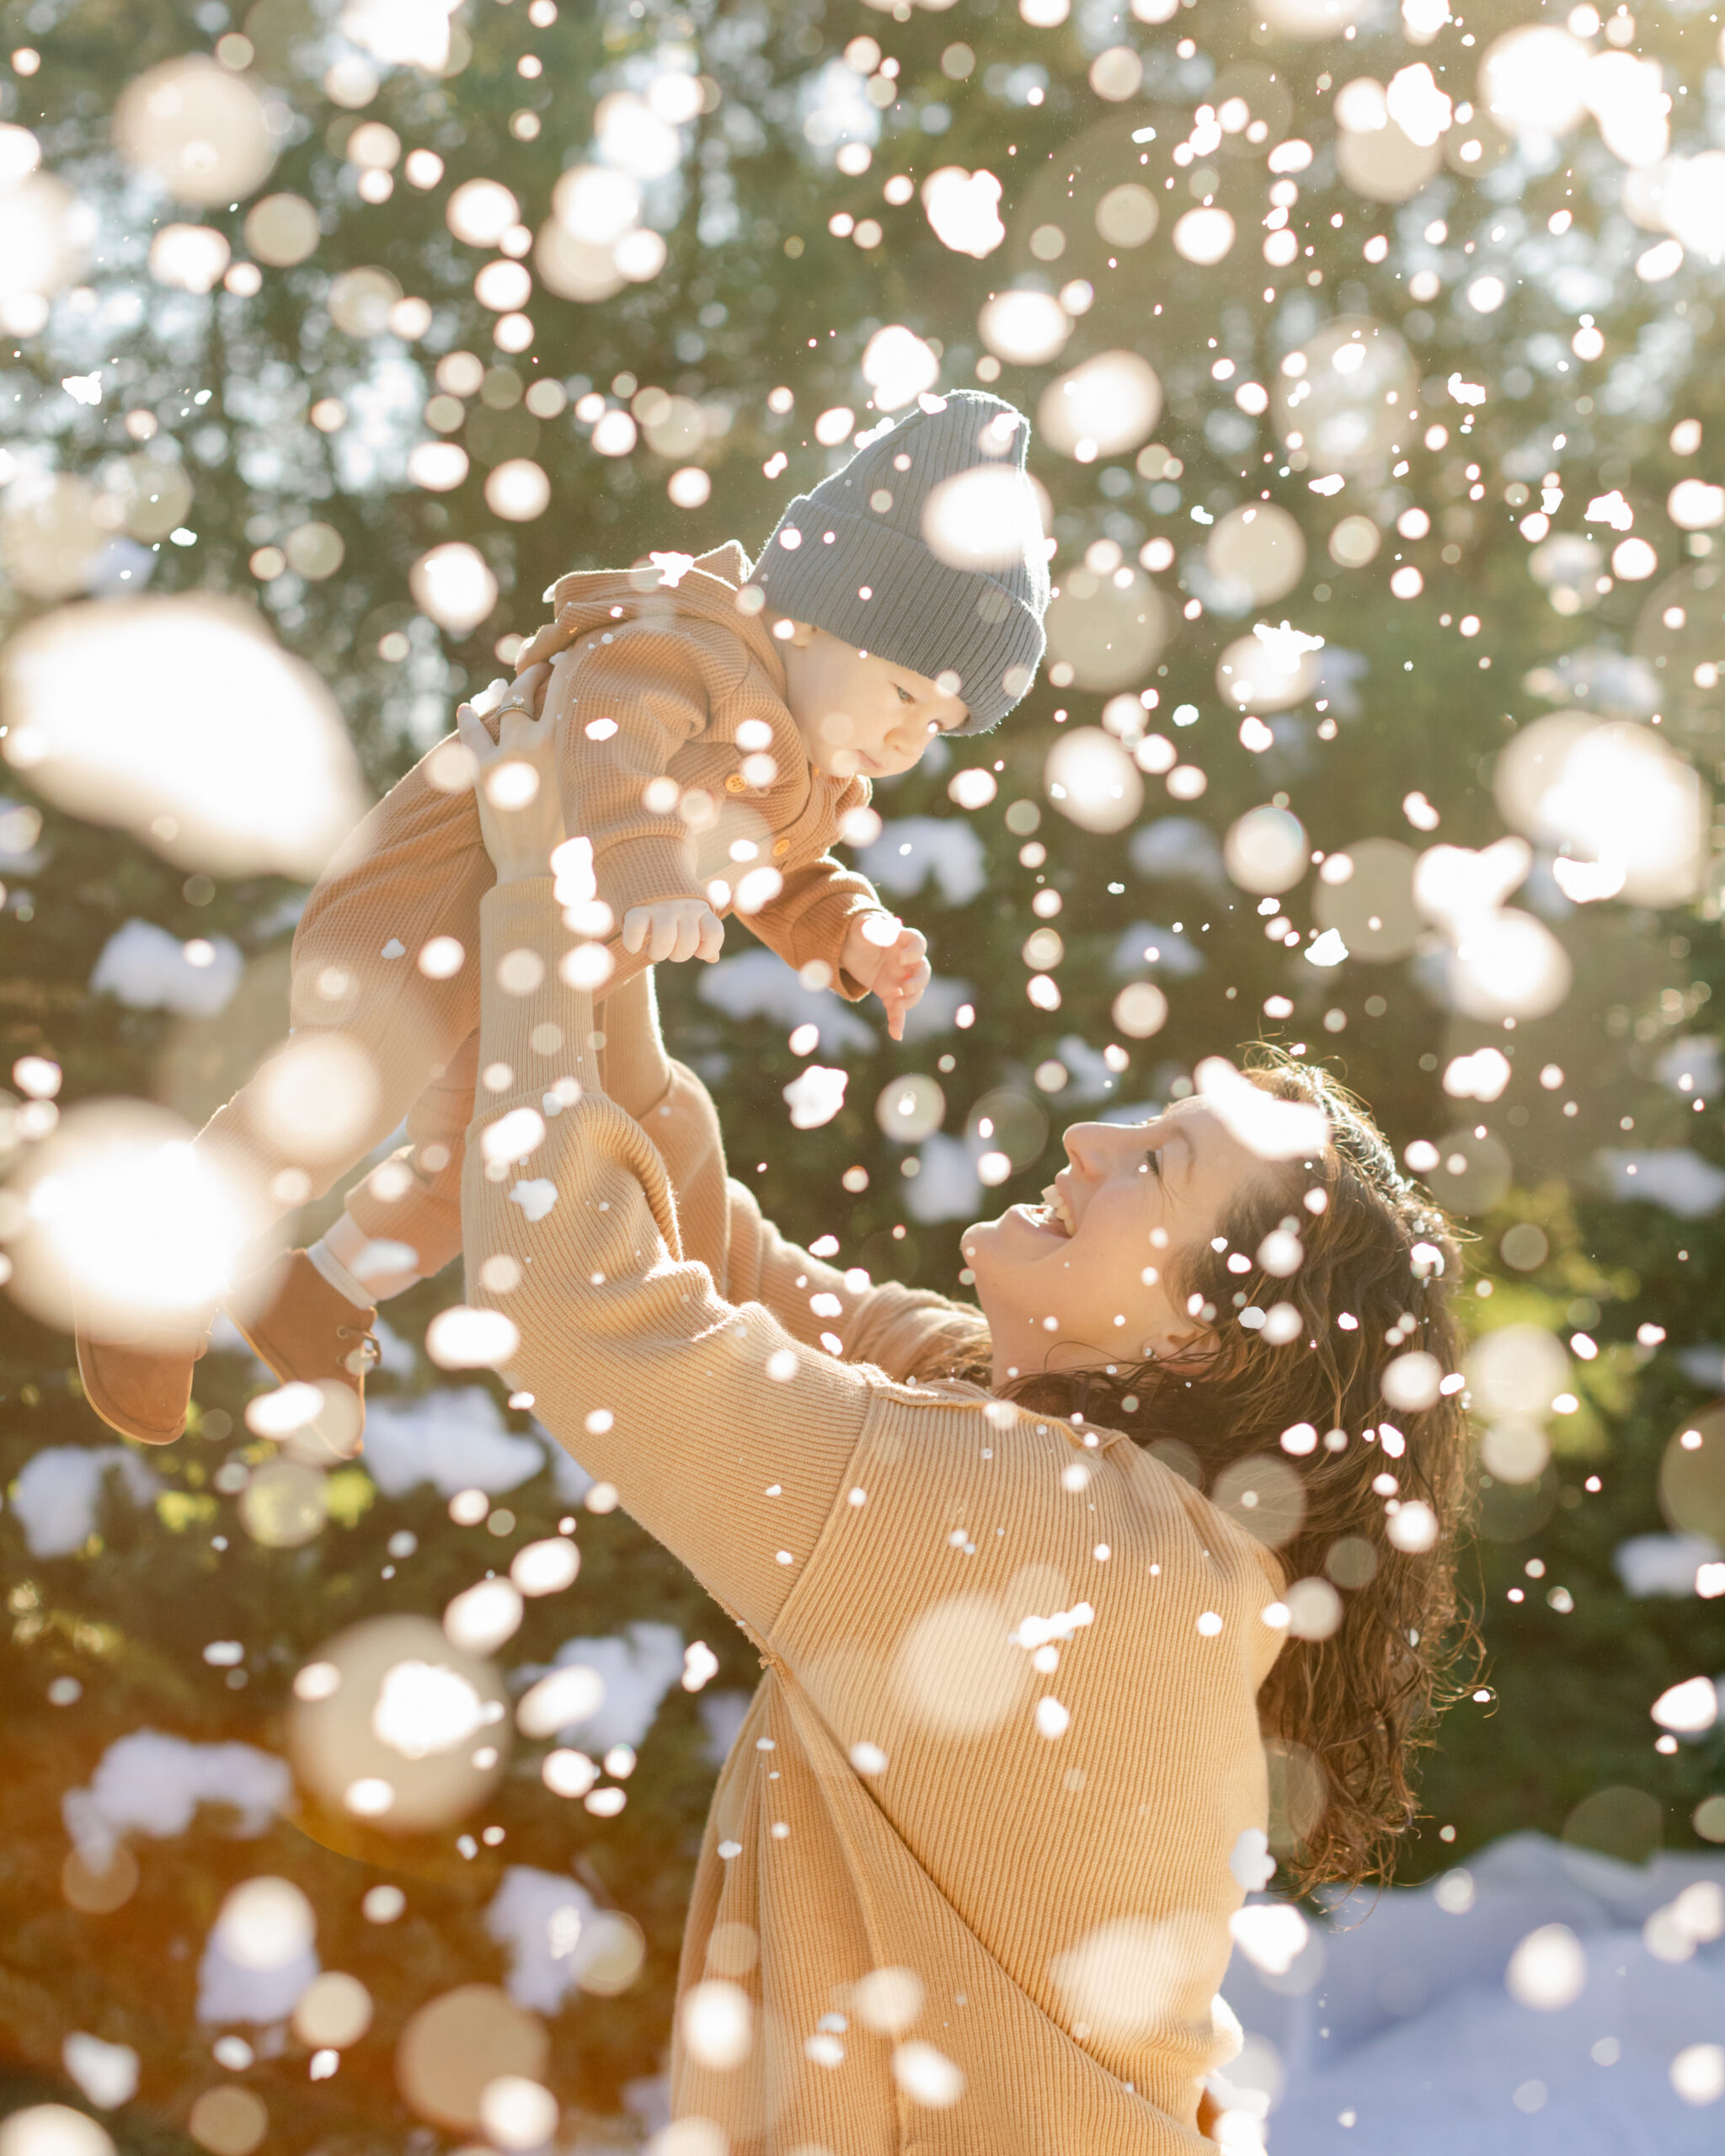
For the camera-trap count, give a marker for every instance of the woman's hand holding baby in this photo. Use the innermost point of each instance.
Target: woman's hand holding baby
(890, 959)
(515, 784)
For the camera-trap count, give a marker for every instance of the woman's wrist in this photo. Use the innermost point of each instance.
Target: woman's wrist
(516, 789)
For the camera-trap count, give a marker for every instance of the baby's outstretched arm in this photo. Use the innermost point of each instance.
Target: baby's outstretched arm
(890, 959)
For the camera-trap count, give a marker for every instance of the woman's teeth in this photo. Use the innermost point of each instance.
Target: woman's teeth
(1059, 1212)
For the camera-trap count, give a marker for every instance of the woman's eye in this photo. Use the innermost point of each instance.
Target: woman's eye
(1153, 1162)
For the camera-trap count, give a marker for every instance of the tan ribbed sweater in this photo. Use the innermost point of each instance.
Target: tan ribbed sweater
(1046, 1850)
(664, 679)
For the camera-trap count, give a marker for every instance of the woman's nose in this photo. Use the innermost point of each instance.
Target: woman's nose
(1086, 1146)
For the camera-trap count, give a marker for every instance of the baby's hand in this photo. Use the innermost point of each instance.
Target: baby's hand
(891, 960)
(673, 929)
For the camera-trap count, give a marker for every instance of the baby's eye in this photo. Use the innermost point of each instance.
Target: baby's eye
(904, 695)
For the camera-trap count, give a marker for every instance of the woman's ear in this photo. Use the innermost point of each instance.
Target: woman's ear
(1188, 1347)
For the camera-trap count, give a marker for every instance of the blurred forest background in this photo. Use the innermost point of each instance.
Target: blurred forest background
(293, 390)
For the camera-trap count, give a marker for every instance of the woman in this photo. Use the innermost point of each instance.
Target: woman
(967, 1879)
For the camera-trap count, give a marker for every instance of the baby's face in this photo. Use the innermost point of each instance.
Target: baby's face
(858, 712)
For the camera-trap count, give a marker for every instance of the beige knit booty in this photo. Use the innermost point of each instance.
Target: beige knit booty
(142, 1386)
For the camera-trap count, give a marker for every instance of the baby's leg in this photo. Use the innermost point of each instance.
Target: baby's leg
(403, 1222)
(385, 992)
(385, 996)
(385, 962)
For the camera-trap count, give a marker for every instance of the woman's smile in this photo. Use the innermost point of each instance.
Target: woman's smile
(1043, 1220)
(1055, 1212)
(1055, 1217)
(1103, 1239)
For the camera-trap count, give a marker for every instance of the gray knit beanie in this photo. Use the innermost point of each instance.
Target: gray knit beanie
(926, 549)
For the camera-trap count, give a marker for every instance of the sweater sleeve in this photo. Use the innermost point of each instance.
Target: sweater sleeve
(676, 1111)
(905, 1332)
(811, 915)
(639, 696)
(723, 1439)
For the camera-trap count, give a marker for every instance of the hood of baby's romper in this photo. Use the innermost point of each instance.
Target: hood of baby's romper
(661, 586)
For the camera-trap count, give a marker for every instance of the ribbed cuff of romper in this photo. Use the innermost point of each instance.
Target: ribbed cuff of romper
(819, 932)
(345, 1283)
(639, 870)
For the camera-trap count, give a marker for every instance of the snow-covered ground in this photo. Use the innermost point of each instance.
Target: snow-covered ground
(1539, 2001)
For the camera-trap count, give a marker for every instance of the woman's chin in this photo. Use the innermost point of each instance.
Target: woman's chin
(983, 1234)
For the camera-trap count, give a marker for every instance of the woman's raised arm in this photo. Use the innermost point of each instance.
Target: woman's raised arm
(725, 1438)
(906, 1331)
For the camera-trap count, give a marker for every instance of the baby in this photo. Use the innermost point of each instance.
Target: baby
(724, 725)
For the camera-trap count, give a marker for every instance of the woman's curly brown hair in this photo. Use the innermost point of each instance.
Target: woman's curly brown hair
(1344, 1714)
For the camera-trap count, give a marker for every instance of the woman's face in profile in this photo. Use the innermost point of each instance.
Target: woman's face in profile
(1091, 1265)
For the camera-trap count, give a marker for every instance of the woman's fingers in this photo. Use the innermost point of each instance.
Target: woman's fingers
(542, 644)
(470, 731)
(519, 731)
(529, 685)
(529, 721)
